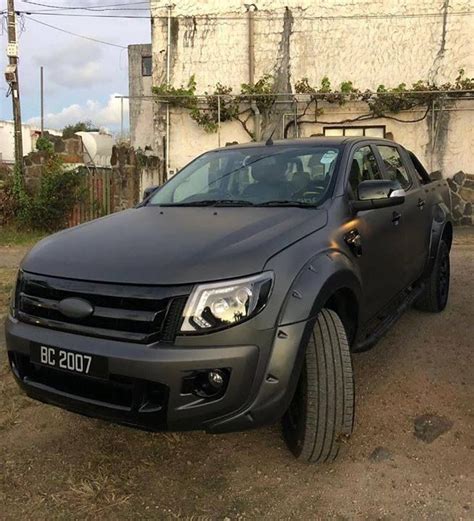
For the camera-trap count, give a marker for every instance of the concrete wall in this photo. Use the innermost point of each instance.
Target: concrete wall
(141, 110)
(369, 42)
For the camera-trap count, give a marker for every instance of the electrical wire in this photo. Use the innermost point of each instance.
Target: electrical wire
(266, 17)
(80, 15)
(84, 8)
(76, 34)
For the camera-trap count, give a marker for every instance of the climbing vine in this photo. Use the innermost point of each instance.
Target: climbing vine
(383, 102)
(205, 109)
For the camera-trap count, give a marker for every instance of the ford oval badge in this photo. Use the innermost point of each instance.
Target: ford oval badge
(75, 308)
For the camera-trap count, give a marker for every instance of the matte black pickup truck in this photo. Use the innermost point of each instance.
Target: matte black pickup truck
(234, 295)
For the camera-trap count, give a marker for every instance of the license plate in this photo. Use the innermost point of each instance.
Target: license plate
(71, 361)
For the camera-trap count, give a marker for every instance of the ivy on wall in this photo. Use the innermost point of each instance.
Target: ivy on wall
(383, 102)
(205, 111)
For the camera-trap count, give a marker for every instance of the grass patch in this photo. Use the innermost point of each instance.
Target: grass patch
(7, 280)
(12, 236)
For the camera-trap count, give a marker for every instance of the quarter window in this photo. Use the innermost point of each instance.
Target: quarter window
(394, 167)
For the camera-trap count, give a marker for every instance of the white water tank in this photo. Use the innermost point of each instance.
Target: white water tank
(97, 147)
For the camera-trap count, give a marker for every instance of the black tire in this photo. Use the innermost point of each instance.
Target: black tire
(321, 414)
(435, 295)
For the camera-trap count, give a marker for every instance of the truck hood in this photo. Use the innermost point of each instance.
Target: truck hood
(153, 245)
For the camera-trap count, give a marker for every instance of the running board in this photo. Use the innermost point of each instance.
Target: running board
(388, 321)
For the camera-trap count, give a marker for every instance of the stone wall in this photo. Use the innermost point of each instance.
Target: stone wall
(125, 178)
(70, 150)
(132, 173)
(462, 197)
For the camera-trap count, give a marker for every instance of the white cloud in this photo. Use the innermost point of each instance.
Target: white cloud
(101, 115)
(78, 64)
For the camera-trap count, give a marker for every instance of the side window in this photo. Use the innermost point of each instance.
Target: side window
(394, 167)
(147, 65)
(364, 167)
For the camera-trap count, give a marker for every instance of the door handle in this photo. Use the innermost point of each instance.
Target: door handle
(421, 204)
(396, 216)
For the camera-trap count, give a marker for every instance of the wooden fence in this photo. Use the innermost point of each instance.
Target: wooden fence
(99, 195)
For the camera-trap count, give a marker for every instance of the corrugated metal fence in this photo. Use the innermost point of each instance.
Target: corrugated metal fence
(98, 198)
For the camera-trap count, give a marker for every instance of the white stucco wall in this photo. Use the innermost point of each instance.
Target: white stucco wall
(29, 138)
(369, 42)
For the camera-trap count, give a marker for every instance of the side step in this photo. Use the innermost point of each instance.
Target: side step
(388, 321)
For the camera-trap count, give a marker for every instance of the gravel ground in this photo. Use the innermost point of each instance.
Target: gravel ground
(411, 455)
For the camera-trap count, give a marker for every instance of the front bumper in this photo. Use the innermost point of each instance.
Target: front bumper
(145, 384)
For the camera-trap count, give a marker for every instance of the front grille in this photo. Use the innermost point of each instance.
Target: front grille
(133, 313)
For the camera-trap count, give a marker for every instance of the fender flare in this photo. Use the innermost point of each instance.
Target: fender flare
(441, 226)
(323, 275)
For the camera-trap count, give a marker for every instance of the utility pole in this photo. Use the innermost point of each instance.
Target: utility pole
(11, 76)
(42, 99)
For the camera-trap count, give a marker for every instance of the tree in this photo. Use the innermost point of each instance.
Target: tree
(80, 126)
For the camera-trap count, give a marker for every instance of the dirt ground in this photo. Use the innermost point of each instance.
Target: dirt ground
(56, 465)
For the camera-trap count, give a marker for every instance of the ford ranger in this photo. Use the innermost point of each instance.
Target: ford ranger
(235, 294)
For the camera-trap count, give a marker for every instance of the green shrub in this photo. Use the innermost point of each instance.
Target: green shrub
(51, 204)
(44, 144)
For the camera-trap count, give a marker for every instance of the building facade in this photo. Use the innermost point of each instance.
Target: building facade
(366, 42)
(140, 104)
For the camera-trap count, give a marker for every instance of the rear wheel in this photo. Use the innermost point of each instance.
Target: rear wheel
(321, 413)
(435, 295)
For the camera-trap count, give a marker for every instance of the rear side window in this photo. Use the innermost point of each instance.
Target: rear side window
(394, 166)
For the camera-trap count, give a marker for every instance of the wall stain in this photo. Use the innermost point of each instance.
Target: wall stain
(190, 31)
(437, 62)
(282, 75)
(438, 132)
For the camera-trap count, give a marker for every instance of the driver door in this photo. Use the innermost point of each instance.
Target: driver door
(380, 263)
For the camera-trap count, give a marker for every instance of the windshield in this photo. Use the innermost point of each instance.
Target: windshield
(272, 176)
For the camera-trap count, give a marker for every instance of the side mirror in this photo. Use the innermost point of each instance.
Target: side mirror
(379, 193)
(148, 191)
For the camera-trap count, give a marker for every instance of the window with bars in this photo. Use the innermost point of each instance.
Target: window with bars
(369, 131)
(146, 65)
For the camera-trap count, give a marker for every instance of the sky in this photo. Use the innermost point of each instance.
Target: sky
(82, 77)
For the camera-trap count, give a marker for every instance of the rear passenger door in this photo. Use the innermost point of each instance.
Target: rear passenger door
(412, 244)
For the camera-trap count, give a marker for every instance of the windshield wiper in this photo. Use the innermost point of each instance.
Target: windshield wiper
(233, 202)
(213, 202)
(298, 204)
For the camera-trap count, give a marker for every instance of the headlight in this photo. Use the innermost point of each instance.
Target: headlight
(224, 304)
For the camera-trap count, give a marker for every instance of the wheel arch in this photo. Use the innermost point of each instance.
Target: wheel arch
(329, 280)
(344, 302)
(441, 228)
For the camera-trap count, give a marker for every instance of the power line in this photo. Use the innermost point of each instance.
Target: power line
(80, 15)
(84, 8)
(78, 35)
(269, 17)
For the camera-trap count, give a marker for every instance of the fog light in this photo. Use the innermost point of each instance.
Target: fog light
(216, 378)
(210, 384)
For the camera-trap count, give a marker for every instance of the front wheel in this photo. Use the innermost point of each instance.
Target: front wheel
(435, 295)
(321, 413)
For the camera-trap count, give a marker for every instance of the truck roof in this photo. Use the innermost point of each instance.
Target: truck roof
(311, 141)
